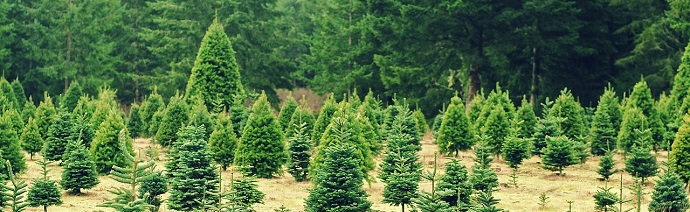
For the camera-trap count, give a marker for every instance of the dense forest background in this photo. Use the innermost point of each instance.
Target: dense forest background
(420, 50)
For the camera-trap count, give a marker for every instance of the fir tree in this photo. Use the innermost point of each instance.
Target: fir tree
(605, 200)
(153, 104)
(289, 107)
(85, 108)
(19, 93)
(487, 202)
(44, 192)
(152, 188)
(302, 115)
(131, 174)
(193, 174)
(30, 139)
(174, 116)
(633, 119)
(547, 126)
(8, 93)
(9, 144)
(641, 97)
(483, 177)
(106, 150)
(475, 110)
(373, 140)
(669, 194)
(525, 114)
(58, 136)
(79, 170)
(44, 115)
(134, 123)
(566, 107)
(16, 191)
(613, 108)
(456, 185)
(438, 120)
(299, 153)
(496, 128)
(262, 145)
(558, 154)
(421, 124)
(82, 130)
(239, 115)
(28, 110)
(223, 142)
(455, 135)
(155, 122)
(243, 193)
(70, 98)
(338, 183)
(199, 115)
(104, 105)
(15, 120)
(679, 158)
(515, 150)
(606, 165)
(432, 201)
(324, 119)
(641, 163)
(603, 133)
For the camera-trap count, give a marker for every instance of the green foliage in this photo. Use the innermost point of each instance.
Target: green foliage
(262, 145)
(15, 192)
(606, 165)
(152, 105)
(455, 133)
(633, 119)
(547, 126)
(515, 150)
(679, 157)
(669, 194)
(106, 150)
(80, 170)
(438, 120)
(456, 185)
(605, 200)
(239, 115)
(85, 108)
(641, 97)
(193, 175)
(131, 174)
(105, 104)
(285, 115)
(565, 106)
(7, 91)
(681, 81)
(19, 93)
(302, 115)
(432, 201)
(496, 128)
(44, 115)
(299, 152)
(155, 122)
(558, 154)
(58, 136)
(525, 113)
(30, 140)
(82, 130)
(223, 142)
(243, 194)
(44, 192)
(613, 107)
(70, 98)
(422, 126)
(641, 163)
(174, 117)
(215, 74)
(328, 108)
(134, 123)
(338, 182)
(9, 144)
(602, 132)
(152, 188)
(487, 202)
(199, 115)
(28, 110)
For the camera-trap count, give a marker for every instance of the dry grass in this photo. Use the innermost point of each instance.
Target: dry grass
(578, 185)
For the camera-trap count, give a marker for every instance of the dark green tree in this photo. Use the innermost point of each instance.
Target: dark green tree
(152, 188)
(547, 126)
(605, 200)
(566, 107)
(30, 140)
(58, 136)
(243, 193)
(641, 97)
(438, 120)
(633, 119)
(215, 74)
(641, 163)
(302, 115)
(299, 152)
(82, 130)
(262, 144)
(455, 134)
(328, 108)
(223, 142)
(8, 93)
(613, 108)
(558, 154)
(9, 144)
(286, 111)
(525, 113)
(44, 192)
(106, 150)
(483, 177)
(18, 89)
(80, 170)
(15, 192)
(456, 185)
(199, 115)
(153, 104)
(134, 122)
(85, 108)
(679, 158)
(28, 110)
(602, 133)
(239, 115)
(515, 151)
(131, 174)
(432, 201)
(44, 115)
(669, 194)
(174, 116)
(69, 99)
(193, 175)
(606, 165)
(338, 182)
(496, 128)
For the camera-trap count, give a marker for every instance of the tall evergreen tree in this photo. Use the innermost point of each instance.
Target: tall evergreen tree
(455, 185)
(633, 119)
(641, 163)
(455, 135)
(299, 152)
(44, 192)
(30, 140)
(262, 144)
(603, 133)
(44, 115)
(565, 106)
(9, 144)
(286, 111)
(80, 171)
(338, 182)
(69, 99)
(194, 175)
(328, 108)
(679, 157)
(58, 136)
(18, 89)
(174, 116)
(525, 113)
(223, 142)
(134, 123)
(106, 150)
(558, 154)
(669, 194)
(215, 74)
(610, 99)
(28, 110)
(641, 97)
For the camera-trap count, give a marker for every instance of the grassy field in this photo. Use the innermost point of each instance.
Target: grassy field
(578, 185)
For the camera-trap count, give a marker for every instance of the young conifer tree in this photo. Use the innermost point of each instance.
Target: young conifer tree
(58, 136)
(44, 115)
(455, 133)
(134, 123)
(324, 119)
(9, 144)
(547, 126)
(669, 194)
(80, 171)
(605, 200)
(496, 127)
(680, 151)
(641, 163)
(558, 154)
(299, 153)
(30, 139)
(16, 191)
(82, 130)
(603, 132)
(106, 149)
(289, 107)
(149, 107)
(174, 116)
(223, 142)
(28, 110)
(70, 98)
(525, 113)
(19, 93)
(633, 119)
(420, 120)
(606, 165)
(152, 188)
(44, 191)
(7, 91)
(456, 185)
(572, 113)
(302, 115)
(199, 116)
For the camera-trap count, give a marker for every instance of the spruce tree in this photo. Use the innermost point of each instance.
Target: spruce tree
(289, 107)
(239, 115)
(30, 140)
(15, 191)
(70, 98)
(85, 108)
(7, 91)
(679, 158)
(134, 123)
(547, 126)
(152, 188)
(58, 136)
(302, 115)
(669, 194)
(515, 150)
(613, 108)
(215, 74)
(324, 119)
(558, 154)
(82, 130)
(606, 165)
(496, 128)
(432, 201)
(299, 152)
(106, 150)
(194, 176)
(262, 145)
(44, 191)
(681, 81)
(602, 131)
(155, 122)
(641, 97)
(605, 200)
(421, 124)
(9, 144)
(633, 119)
(131, 174)
(28, 110)
(174, 117)
(455, 185)
(223, 142)
(525, 113)
(149, 107)
(370, 135)
(566, 107)
(438, 120)
(455, 134)
(15, 120)
(243, 194)
(338, 182)
(19, 93)
(641, 163)
(44, 115)
(104, 105)
(483, 178)
(199, 115)
(79, 170)
(475, 109)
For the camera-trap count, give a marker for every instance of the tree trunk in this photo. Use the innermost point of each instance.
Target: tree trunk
(45, 208)
(535, 72)
(403, 207)
(473, 85)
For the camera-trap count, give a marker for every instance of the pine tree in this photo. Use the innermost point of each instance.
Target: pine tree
(82, 130)
(131, 174)
(547, 126)
(9, 144)
(134, 123)
(149, 107)
(239, 115)
(525, 113)
(223, 142)
(302, 115)
(641, 97)
(483, 178)
(15, 191)
(79, 170)
(606, 165)
(669, 194)
(299, 153)
(262, 144)
(7, 91)
(422, 126)
(44, 192)
(106, 150)
(28, 110)
(15, 120)
(30, 140)
(58, 136)
(85, 108)
(199, 115)
(633, 119)
(558, 154)
(243, 194)
(215, 74)
(104, 105)
(496, 128)
(152, 188)
(456, 185)
(155, 122)
(566, 107)
(338, 182)
(613, 108)
(174, 116)
(605, 200)
(19, 93)
(603, 133)
(641, 163)
(44, 115)
(515, 150)
(455, 135)
(324, 119)
(70, 98)
(289, 107)
(438, 120)
(679, 158)
(193, 174)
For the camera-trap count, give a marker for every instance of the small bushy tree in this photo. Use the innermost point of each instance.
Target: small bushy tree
(44, 192)
(152, 188)
(669, 194)
(154, 103)
(602, 133)
(58, 136)
(606, 165)
(679, 157)
(223, 142)
(299, 153)
(558, 154)
(328, 108)
(641, 163)
(7, 91)
(106, 150)
(605, 200)
(80, 171)
(28, 110)
(174, 116)
(302, 115)
(30, 139)
(455, 135)
(496, 128)
(19, 93)
(289, 107)
(131, 174)
(44, 115)
(525, 114)
(572, 113)
(633, 119)
(15, 191)
(547, 126)
(69, 99)
(455, 185)
(9, 144)
(134, 123)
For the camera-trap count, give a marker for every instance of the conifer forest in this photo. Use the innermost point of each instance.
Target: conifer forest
(345, 105)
